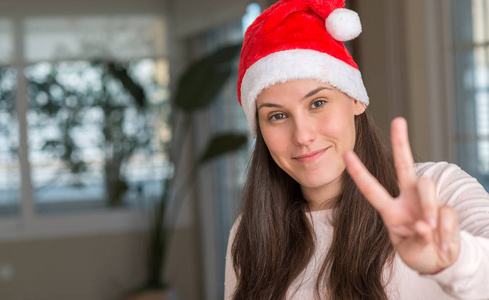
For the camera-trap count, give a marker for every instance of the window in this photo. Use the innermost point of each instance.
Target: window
(94, 111)
(9, 134)
(471, 36)
(93, 144)
(9, 143)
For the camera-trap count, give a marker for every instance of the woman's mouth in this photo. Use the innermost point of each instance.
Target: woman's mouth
(311, 156)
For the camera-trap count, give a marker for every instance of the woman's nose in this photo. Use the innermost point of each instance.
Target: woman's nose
(304, 132)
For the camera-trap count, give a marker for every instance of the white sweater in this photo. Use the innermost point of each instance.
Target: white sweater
(467, 278)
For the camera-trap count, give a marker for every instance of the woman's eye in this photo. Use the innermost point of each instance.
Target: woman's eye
(277, 117)
(317, 103)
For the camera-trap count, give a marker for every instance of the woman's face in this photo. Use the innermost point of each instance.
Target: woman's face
(307, 126)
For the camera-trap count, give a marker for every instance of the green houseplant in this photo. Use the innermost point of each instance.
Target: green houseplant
(197, 89)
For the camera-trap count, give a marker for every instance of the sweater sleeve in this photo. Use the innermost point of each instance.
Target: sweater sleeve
(468, 277)
(229, 275)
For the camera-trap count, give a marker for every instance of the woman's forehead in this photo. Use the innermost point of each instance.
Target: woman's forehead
(293, 88)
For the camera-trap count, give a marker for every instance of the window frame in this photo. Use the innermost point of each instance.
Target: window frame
(31, 225)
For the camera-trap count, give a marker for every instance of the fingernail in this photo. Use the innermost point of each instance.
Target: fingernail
(432, 222)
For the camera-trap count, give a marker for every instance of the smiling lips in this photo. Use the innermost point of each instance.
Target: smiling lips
(310, 157)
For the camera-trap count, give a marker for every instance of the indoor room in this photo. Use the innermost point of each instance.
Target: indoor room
(124, 149)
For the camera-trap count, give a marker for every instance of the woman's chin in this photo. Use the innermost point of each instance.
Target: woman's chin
(316, 183)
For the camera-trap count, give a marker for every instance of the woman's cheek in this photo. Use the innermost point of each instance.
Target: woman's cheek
(330, 127)
(338, 130)
(274, 138)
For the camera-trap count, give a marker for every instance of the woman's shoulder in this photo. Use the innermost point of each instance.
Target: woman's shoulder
(449, 178)
(429, 167)
(440, 170)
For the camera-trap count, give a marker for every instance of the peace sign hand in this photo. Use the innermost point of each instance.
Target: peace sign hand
(424, 233)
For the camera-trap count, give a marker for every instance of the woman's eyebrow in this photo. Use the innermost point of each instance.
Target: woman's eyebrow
(315, 91)
(269, 105)
(310, 94)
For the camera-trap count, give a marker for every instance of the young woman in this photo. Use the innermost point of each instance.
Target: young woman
(328, 212)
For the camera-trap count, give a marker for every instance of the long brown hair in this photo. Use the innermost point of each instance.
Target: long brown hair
(274, 240)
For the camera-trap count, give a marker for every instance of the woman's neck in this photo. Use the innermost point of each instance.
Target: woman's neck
(323, 197)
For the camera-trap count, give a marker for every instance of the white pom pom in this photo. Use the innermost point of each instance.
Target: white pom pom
(343, 24)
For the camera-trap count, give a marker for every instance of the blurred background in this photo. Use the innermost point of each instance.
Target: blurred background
(118, 114)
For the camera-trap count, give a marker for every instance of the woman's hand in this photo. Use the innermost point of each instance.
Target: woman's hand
(424, 233)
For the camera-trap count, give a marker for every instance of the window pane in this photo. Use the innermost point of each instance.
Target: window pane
(480, 22)
(96, 131)
(9, 143)
(473, 113)
(110, 37)
(472, 87)
(6, 41)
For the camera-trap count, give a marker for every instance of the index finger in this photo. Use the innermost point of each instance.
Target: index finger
(370, 187)
(403, 157)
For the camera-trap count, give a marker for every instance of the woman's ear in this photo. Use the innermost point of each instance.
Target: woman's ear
(358, 107)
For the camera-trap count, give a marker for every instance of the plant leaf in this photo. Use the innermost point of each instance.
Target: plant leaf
(136, 91)
(222, 144)
(203, 79)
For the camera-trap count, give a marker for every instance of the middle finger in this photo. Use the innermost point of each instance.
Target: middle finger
(403, 157)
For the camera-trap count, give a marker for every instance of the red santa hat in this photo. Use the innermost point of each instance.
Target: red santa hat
(299, 39)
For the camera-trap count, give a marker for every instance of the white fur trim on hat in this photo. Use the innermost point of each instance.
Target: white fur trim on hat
(343, 24)
(285, 66)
